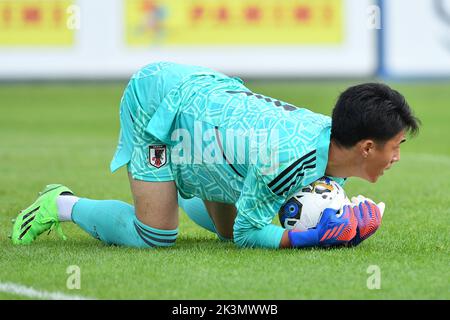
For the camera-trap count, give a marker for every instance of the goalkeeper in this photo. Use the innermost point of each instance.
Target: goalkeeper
(195, 138)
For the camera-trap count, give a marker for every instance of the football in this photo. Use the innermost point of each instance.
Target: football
(304, 210)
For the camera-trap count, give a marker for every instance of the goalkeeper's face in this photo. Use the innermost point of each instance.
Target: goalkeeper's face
(379, 157)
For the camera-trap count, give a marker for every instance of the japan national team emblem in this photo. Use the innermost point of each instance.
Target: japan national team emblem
(157, 155)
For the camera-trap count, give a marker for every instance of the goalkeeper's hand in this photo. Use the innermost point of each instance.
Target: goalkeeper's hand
(330, 231)
(368, 215)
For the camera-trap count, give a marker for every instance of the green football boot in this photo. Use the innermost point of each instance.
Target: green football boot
(41, 216)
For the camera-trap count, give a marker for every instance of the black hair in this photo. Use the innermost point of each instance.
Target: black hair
(371, 111)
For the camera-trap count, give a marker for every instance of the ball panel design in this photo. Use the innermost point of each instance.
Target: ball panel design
(304, 210)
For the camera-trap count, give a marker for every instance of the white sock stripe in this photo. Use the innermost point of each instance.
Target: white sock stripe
(17, 289)
(65, 205)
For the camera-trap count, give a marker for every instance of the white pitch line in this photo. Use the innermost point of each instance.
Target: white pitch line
(17, 289)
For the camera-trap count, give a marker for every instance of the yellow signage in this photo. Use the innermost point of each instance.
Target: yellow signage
(233, 22)
(36, 22)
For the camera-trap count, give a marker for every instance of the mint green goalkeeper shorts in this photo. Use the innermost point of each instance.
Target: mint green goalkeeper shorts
(146, 157)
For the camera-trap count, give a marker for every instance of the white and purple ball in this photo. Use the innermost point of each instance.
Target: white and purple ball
(304, 210)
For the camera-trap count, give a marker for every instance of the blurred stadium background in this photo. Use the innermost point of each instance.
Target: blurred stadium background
(64, 64)
(104, 39)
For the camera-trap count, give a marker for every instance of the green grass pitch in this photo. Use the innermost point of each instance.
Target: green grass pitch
(67, 133)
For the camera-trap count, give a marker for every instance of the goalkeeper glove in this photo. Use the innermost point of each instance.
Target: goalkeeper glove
(330, 231)
(368, 215)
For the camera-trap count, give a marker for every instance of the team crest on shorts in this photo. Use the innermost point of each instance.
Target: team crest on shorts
(157, 155)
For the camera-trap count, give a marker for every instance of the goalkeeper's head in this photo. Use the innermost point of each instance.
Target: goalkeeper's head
(370, 121)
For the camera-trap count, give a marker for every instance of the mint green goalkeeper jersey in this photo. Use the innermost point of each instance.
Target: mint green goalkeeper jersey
(230, 145)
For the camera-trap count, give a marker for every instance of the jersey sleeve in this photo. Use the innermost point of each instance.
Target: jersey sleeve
(256, 207)
(297, 155)
(264, 194)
